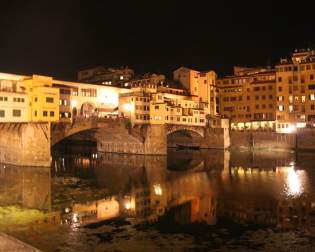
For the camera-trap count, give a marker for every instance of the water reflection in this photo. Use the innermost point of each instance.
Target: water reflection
(261, 188)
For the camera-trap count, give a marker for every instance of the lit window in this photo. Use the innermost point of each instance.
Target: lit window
(280, 107)
(290, 108)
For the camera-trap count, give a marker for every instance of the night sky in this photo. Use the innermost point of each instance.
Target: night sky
(59, 38)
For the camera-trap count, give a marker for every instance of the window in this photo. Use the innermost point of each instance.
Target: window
(271, 106)
(35, 113)
(280, 107)
(270, 97)
(279, 79)
(156, 107)
(49, 99)
(16, 112)
(312, 107)
(270, 87)
(290, 99)
(263, 97)
(45, 113)
(311, 87)
(51, 113)
(290, 108)
(257, 106)
(2, 113)
(256, 97)
(279, 89)
(281, 98)
(303, 98)
(256, 88)
(311, 76)
(248, 98)
(312, 97)
(35, 99)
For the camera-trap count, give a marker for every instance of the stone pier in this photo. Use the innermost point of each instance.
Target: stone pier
(145, 139)
(25, 144)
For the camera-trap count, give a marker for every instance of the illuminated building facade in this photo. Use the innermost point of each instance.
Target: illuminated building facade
(88, 100)
(295, 79)
(160, 105)
(248, 98)
(200, 85)
(28, 99)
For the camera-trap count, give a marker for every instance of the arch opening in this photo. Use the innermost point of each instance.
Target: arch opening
(184, 139)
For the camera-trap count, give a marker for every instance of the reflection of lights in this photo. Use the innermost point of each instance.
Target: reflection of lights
(67, 210)
(290, 129)
(75, 218)
(157, 189)
(294, 186)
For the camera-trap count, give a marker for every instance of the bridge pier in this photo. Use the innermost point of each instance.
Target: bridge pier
(145, 140)
(25, 144)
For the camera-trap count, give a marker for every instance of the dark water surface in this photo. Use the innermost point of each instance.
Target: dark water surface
(188, 201)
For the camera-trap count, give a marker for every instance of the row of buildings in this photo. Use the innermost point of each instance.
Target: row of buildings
(279, 99)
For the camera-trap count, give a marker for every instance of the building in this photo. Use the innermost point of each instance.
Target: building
(152, 104)
(295, 80)
(28, 99)
(200, 85)
(87, 100)
(106, 76)
(248, 98)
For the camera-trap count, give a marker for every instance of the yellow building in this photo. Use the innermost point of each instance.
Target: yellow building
(248, 98)
(200, 85)
(295, 78)
(161, 105)
(28, 99)
(44, 99)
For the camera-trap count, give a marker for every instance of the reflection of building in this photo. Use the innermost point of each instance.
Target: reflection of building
(28, 187)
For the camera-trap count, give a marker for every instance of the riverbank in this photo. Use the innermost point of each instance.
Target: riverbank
(8, 243)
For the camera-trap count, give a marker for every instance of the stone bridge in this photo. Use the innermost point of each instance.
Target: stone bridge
(60, 131)
(30, 144)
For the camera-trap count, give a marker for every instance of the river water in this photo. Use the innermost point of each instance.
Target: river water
(188, 201)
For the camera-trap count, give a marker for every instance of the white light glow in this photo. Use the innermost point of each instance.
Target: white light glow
(294, 186)
(108, 97)
(128, 107)
(74, 103)
(157, 189)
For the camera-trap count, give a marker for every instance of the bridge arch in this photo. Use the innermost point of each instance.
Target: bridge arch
(184, 135)
(183, 128)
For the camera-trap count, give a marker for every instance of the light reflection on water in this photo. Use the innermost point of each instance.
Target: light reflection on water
(263, 188)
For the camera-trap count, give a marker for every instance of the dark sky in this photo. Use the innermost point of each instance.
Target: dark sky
(62, 37)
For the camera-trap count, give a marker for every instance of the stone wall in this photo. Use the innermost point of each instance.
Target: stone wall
(262, 140)
(25, 144)
(147, 139)
(306, 139)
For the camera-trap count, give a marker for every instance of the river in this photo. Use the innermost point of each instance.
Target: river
(209, 200)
